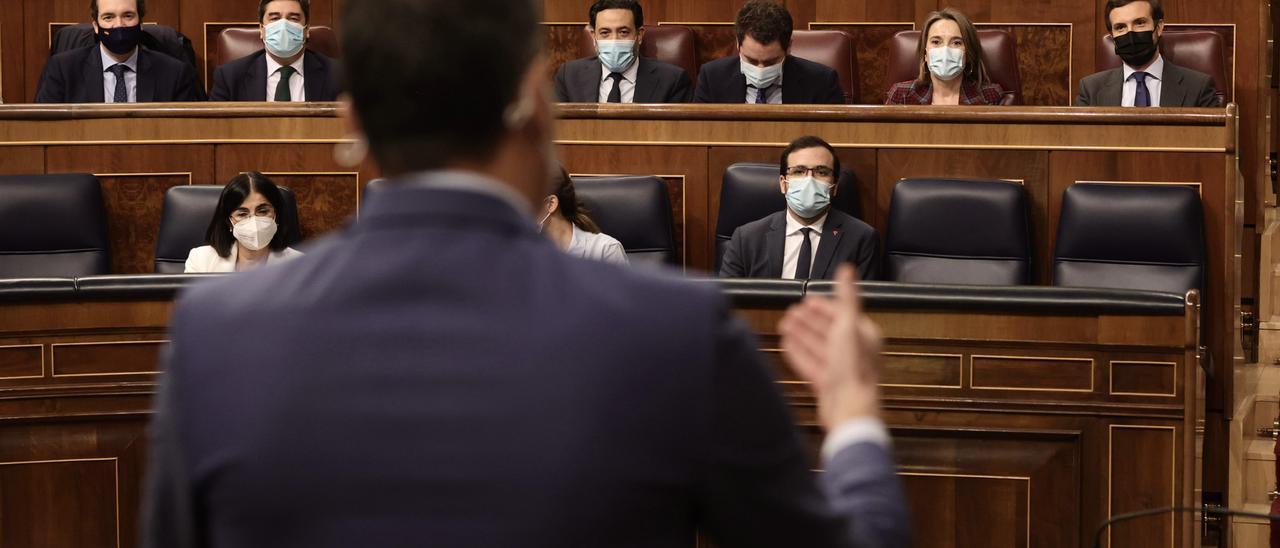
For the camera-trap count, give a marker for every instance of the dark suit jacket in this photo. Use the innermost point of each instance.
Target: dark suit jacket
(656, 82)
(401, 384)
(76, 77)
(245, 79)
(756, 249)
(1180, 87)
(803, 82)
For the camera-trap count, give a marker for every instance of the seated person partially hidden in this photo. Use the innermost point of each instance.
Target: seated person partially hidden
(243, 233)
(617, 74)
(117, 69)
(567, 224)
(951, 71)
(284, 70)
(1146, 79)
(809, 239)
(764, 72)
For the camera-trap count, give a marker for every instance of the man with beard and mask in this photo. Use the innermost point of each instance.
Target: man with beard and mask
(808, 240)
(1146, 79)
(117, 69)
(439, 373)
(617, 74)
(284, 70)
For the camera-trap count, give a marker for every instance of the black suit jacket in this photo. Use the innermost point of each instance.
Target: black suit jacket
(1180, 87)
(656, 82)
(756, 249)
(76, 77)
(245, 79)
(803, 82)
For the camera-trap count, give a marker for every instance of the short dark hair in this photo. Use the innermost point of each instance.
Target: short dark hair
(765, 22)
(421, 109)
(1157, 11)
(306, 8)
(571, 208)
(602, 5)
(93, 9)
(808, 141)
(241, 186)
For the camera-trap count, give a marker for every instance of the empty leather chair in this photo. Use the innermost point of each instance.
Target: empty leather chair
(635, 210)
(749, 192)
(185, 218)
(834, 49)
(672, 44)
(237, 42)
(55, 226)
(957, 231)
(999, 56)
(1147, 237)
(1201, 50)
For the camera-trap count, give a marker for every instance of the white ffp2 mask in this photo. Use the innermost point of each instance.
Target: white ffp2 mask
(255, 233)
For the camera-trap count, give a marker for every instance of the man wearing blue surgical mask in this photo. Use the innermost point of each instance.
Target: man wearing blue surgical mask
(809, 239)
(618, 74)
(764, 71)
(285, 70)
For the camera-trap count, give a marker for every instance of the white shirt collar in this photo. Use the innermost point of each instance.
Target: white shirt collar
(1156, 70)
(108, 61)
(273, 65)
(628, 75)
(794, 226)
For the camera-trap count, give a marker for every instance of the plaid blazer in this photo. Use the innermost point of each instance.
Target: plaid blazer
(912, 92)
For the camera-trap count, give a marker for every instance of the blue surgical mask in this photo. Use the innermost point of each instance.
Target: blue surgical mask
(616, 55)
(808, 197)
(946, 62)
(284, 38)
(761, 78)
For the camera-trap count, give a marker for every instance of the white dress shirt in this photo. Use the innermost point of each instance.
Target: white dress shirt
(109, 78)
(627, 86)
(297, 86)
(774, 93)
(1155, 74)
(205, 259)
(596, 247)
(867, 429)
(794, 238)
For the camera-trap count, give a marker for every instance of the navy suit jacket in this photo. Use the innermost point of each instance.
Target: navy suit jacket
(76, 77)
(245, 79)
(756, 249)
(439, 373)
(803, 83)
(656, 82)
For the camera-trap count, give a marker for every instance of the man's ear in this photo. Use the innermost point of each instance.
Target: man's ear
(782, 184)
(262, 31)
(1160, 29)
(639, 37)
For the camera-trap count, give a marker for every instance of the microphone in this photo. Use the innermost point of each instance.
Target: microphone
(1212, 511)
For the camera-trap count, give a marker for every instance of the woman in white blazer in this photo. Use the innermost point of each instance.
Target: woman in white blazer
(243, 233)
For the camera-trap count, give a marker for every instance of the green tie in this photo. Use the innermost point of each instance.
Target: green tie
(282, 89)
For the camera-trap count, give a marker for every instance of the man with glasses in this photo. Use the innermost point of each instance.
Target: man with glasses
(808, 240)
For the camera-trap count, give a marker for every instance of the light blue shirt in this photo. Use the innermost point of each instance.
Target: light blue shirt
(1155, 81)
(109, 78)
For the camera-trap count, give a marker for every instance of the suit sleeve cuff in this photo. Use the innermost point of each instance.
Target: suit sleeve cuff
(853, 432)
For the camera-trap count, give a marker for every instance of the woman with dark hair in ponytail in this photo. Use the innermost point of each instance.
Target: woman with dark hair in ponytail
(565, 221)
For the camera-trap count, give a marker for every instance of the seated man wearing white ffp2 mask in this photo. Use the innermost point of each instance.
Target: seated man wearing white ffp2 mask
(285, 70)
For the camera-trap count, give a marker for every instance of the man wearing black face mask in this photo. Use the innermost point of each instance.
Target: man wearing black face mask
(117, 69)
(1146, 79)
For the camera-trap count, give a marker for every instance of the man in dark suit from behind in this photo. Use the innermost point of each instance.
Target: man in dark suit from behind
(764, 71)
(440, 374)
(117, 69)
(618, 74)
(809, 239)
(284, 70)
(1146, 79)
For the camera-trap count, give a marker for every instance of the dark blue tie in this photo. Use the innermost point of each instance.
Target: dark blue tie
(805, 260)
(122, 91)
(762, 96)
(1143, 97)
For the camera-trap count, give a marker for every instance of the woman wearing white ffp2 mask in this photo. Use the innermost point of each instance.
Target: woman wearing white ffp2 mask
(245, 232)
(951, 71)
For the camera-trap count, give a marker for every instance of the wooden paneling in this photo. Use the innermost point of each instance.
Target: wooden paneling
(562, 42)
(1140, 479)
(871, 46)
(873, 10)
(1042, 373)
(21, 361)
(13, 75)
(1147, 378)
(110, 358)
(22, 160)
(715, 38)
(918, 369)
(1045, 73)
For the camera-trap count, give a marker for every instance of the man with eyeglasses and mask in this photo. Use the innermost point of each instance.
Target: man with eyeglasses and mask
(618, 74)
(117, 69)
(284, 70)
(1146, 79)
(764, 71)
(809, 239)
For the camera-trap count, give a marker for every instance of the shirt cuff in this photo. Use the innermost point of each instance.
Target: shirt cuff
(855, 431)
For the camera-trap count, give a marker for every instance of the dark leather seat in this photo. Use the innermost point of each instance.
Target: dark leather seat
(834, 49)
(1148, 237)
(749, 191)
(1201, 50)
(634, 209)
(55, 226)
(237, 42)
(999, 56)
(185, 218)
(673, 44)
(955, 231)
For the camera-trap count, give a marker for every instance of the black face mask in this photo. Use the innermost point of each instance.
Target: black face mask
(1136, 48)
(120, 40)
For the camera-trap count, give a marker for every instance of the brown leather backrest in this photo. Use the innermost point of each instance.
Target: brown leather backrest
(1200, 50)
(999, 56)
(832, 48)
(237, 42)
(672, 44)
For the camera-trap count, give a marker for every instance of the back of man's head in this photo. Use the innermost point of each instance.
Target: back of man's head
(431, 80)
